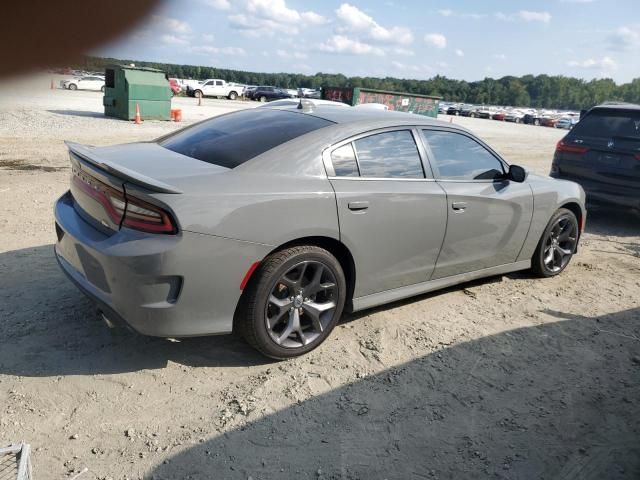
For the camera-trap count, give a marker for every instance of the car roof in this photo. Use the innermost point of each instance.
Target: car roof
(363, 116)
(617, 106)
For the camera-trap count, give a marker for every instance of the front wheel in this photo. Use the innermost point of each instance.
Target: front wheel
(292, 302)
(263, 99)
(198, 94)
(557, 244)
(73, 86)
(233, 96)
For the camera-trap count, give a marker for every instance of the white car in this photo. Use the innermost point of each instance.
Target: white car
(87, 82)
(218, 88)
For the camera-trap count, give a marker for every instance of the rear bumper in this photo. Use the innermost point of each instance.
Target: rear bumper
(161, 285)
(600, 192)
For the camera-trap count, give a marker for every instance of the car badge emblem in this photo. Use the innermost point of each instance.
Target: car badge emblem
(610, 144)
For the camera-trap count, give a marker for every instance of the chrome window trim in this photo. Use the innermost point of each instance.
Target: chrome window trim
(417, 139)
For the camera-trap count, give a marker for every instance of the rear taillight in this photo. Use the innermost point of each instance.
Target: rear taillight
(124, 209)
(112, 201)
(146, 217)
(563, 147)
(637, 156)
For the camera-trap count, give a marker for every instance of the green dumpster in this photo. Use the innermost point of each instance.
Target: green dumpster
(126, 87)
(398, 101)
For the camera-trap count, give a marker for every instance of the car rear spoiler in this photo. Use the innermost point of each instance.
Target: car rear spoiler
(86, 153)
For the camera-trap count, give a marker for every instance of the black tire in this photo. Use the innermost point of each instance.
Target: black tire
(73, 86)
(233, 95)
(198, 94)
(538, 265)
(251, 317)
(536, 122)
(102, 89)
(263, 99)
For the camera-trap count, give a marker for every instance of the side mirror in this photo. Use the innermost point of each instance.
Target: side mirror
(517, 173)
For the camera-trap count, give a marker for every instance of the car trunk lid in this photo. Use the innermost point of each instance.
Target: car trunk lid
(100, 175)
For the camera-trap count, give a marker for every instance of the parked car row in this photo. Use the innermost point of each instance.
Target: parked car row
(547, 118)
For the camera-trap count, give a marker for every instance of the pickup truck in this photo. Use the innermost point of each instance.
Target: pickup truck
(215, 88)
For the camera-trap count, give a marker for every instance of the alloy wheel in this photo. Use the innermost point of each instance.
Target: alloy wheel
(560, 244)
(302, 304)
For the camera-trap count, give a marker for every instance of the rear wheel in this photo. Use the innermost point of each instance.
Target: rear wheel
(557, 244)
(233, 95)
(73, 86)
(292, 302)
(263, 99)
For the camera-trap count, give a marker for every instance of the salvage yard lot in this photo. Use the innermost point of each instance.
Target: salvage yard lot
(510, 377)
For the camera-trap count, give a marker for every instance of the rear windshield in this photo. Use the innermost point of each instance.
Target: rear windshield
(230, 140)
(609, 123)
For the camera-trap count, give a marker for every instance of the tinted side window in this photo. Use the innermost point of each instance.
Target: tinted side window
(232, 139)
(389, 155)
(344, 161)
(458, 157)
(218, 82)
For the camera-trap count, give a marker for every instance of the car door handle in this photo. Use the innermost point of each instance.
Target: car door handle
(358, 206)
(459, 206)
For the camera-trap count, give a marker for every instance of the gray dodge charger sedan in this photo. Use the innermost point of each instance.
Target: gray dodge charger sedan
(271, 222)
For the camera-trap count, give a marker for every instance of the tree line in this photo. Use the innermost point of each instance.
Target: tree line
(538, 91)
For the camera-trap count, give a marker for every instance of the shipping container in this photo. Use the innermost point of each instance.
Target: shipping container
(399, 101)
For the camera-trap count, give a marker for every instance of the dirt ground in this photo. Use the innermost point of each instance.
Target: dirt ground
(510, 378)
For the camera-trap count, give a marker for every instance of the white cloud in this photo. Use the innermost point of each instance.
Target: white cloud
(603, 64)
(172, 25)
(207, 37)
(268, 17)
(219, 4)
(524, 15)
(445, 12)
(436, 40)
(625, 38)
(169, 39)
(529, 16)
(355, 20)
(459, 52)
(342, 44)
(405, 52)
(285, 54)
(211, 50)
(278, 11)
(500, 56)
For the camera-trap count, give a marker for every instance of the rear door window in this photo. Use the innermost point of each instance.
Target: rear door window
(458, 157)
(389, 155)
(232, 139)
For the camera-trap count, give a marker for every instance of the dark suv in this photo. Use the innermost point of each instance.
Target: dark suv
(266, 94)
(602, 153)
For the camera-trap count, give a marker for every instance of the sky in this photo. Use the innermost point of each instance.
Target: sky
(461, 39)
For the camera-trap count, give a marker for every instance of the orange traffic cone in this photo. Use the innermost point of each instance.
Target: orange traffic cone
(137, 121)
